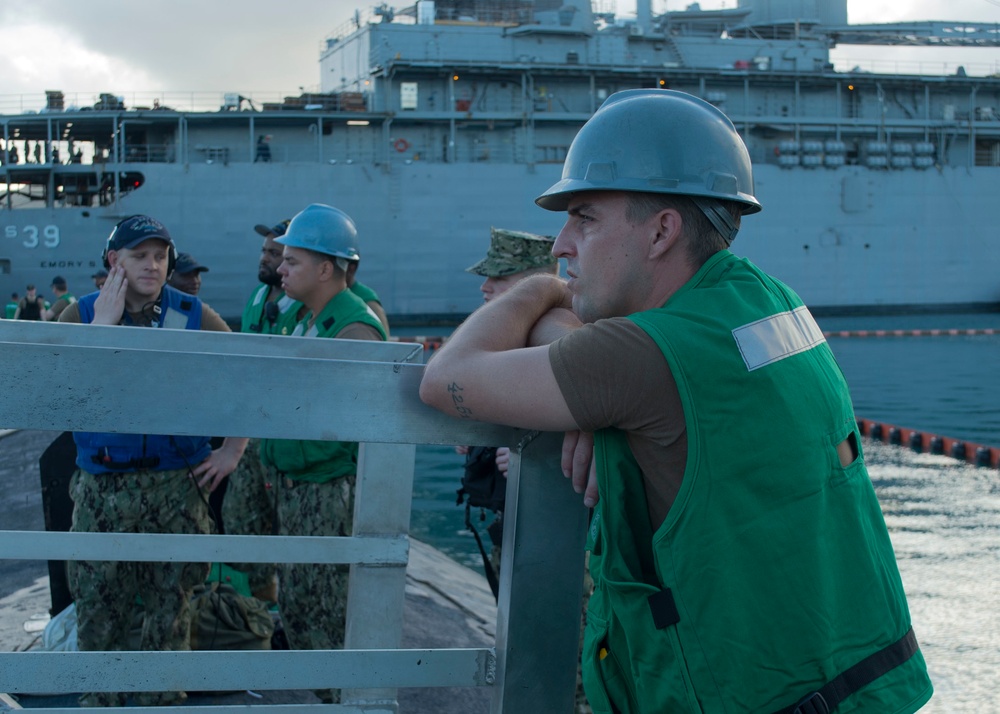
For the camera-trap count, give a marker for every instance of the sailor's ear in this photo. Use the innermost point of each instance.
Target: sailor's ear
(112, 258)
(668, 227)
(327, 268)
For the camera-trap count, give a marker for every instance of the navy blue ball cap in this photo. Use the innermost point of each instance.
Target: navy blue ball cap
(136, 229)
(278, 230)
(187, 264)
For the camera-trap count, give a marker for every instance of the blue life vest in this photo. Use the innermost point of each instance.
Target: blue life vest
(99, 453)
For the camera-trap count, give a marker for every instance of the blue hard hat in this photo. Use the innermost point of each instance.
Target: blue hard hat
(323, 229)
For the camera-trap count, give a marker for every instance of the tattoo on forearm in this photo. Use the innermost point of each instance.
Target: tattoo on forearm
(456, 399)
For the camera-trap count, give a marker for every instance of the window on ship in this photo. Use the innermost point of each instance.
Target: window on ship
(988, 152)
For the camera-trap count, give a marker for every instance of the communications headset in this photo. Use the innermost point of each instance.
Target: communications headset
(270, 313)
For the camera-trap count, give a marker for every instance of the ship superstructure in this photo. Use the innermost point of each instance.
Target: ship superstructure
(437, 120)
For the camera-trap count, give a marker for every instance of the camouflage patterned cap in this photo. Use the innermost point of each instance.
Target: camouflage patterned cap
(514, 252)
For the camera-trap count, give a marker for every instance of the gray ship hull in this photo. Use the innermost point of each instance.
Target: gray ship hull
(431, 127)
(845, 239)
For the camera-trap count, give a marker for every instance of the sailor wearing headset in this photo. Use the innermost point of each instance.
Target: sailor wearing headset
(249, 506)
(141, 483)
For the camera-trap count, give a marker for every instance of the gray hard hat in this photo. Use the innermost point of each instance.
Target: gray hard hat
(656, 141)
(323, 229)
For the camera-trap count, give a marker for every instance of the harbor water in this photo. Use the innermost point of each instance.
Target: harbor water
(944, 384)
(943, 516)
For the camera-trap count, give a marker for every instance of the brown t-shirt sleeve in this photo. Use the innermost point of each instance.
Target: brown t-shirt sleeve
(71, 313)
(359, 331)
(58, 308)
(210, 320)
(612, 374)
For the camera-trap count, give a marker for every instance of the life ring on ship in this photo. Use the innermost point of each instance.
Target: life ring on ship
(401, 145)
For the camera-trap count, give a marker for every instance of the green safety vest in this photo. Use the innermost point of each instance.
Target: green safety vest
(365, 293)
(773, 572)
(321, 461)
(254, 319)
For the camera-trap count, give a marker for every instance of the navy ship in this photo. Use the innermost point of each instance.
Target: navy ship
(435, 121)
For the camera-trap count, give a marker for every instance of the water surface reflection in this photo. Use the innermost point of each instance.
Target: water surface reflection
(944, 519)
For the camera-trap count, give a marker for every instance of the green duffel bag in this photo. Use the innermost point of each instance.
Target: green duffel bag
(222, 619)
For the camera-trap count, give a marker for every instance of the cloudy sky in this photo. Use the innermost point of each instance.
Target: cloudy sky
(265, 46)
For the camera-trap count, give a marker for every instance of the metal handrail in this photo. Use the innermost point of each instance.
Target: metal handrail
(83, 388)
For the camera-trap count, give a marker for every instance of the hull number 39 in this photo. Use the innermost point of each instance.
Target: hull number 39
(34, 236)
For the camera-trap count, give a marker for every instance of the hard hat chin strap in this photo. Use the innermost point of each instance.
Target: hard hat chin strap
(721, 219)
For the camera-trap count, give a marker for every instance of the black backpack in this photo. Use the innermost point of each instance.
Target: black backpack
(483, 486)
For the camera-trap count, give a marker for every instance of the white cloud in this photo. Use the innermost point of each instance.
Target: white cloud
(65, 62)
(182, 46)
(976, 61)
(865, 11)
(259, 46)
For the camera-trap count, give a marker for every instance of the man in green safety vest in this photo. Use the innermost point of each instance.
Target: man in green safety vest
(249, 505)
(739, 554)
(316, 479)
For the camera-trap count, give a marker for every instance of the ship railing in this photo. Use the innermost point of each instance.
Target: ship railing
(488, 12)
(100, 378)
(924, 68)
(149, 154)
(39, 103)
(360, 18)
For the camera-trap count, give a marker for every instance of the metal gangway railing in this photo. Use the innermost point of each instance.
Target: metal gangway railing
(87, 377)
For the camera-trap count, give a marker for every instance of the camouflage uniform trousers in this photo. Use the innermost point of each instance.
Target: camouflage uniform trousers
(105, 591)
(312, 598)
(582, 705)
(249, 508)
